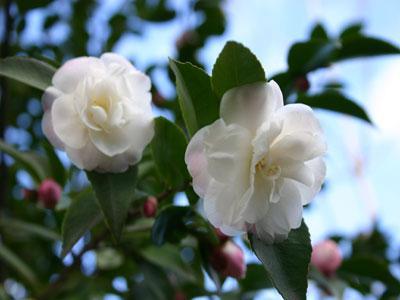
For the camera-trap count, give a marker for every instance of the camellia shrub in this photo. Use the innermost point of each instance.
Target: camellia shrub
(244, 148)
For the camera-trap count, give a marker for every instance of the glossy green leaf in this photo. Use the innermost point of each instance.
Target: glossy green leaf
(169, 257)
(335, 101)
(30, 228)
(319, 32)
(16, 263)
(30, 71)
(362, 46)
(198, 103)
(175, 222)
(168, 147)
(287, 262)
(27, 161)
(82, 215)
(307, 56)
(115, 193)
(236, 65)
(256, 279)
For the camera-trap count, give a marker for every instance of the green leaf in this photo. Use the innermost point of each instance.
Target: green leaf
(369, 267)
(236, 65)
(31, 228)
(319, 32)
(169, 257)
(32, 166)
(11, 259)
(175, 222)
(114, 193)
(353, 30)
(56, 167)
(27, 70)
(335, 101)
(82, 215)
(287, 262)
(362, 46)
(169, 146)
(256, 279)
(198, 103)
(307, 56)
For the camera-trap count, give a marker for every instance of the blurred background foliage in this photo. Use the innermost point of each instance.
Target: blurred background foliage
(30, 236)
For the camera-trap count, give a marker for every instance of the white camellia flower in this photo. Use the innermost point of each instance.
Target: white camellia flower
(258, 164)
(99, 111)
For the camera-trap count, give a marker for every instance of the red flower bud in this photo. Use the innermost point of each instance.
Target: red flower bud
(326, 257)
(49, 193)
(302, 84)
(228, 260)
(150, 207)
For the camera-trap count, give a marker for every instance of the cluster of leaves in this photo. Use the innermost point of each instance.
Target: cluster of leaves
(159, 257)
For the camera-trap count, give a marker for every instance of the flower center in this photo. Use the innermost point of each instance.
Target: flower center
(271, 171)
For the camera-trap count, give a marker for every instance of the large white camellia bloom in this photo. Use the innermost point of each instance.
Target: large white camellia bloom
(258, 164)
(99, 111)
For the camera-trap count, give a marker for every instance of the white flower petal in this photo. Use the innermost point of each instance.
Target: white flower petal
(223, 206)
(318, 168)
(296, 118)
(49, 95)
(48, 130)
(298, 171)
(300, 146)
(67, 124)
(197, 163)
(228, 152)
(281, 216)
(250, 105)
(67, 78)
(110, 58)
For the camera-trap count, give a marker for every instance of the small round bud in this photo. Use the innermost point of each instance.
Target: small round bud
(49, 193)
(326, 257)
(228, 260)
(29, 195)
(302, 84)
(150, 207)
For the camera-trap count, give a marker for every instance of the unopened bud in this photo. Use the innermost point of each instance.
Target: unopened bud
(228, 260)
(326, 257)
(49, 193)
(302, 84)
(150, 207)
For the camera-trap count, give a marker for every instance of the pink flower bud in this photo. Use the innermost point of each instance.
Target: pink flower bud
(49, 193)
(150, 207)
(326, 257)
(228, 260)
(221, 236)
